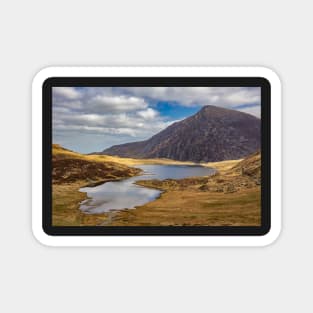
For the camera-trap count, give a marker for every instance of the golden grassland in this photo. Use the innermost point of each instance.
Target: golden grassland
(66, 197)
(231, 197)
(65, 206)
(72, 171)
(223, 166)
(58, 150)
(191, 207)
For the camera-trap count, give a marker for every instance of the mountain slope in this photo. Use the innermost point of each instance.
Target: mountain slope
(212, 134)
(250, 166)
(70, 167)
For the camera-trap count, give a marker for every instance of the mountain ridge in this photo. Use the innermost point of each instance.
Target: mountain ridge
(212, 134)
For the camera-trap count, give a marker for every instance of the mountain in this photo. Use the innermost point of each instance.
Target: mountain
(212, 134)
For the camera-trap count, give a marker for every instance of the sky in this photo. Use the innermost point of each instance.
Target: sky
(91, 119)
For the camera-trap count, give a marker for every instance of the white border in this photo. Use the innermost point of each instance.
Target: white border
(45, 239)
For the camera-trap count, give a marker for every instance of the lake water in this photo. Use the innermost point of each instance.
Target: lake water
(124, 194)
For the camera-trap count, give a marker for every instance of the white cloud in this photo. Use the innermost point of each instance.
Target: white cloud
(95, 129)
(69, 93)
(123, 114)
(100, 111)
(103, 103)
(190, 96)
(254, 110)
(148, 114)
(87, 100)
(136, 124)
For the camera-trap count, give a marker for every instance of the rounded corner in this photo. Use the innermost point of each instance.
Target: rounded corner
(271, 236)
(41, 236)
(269, 75)
(48, 82)
(43, 75)
(42, 233)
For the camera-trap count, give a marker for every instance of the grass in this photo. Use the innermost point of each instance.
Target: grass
(71, 171)
(58, 150)
(196, 208)
(223, 166)
(65, 202)
(227, 198)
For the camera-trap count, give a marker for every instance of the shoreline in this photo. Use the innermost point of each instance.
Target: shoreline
(103, 181)
(227, 198)
(106, 219)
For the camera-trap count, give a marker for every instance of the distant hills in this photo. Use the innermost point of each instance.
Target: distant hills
(212, 134)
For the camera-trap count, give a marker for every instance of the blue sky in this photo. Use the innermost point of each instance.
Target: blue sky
(90, 119)
(174, 111)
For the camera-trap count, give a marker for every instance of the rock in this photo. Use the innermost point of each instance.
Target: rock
(229, 188)
(204, 187)
(212, 134)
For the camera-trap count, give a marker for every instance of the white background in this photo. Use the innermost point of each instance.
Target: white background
(36, 34)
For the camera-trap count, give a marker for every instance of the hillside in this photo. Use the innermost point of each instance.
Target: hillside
(69, 167)
(70, 172)
(231, 197)
(212, 134)
(243, 175)
(251, 166)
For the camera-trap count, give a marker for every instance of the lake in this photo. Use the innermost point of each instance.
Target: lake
(124, 194)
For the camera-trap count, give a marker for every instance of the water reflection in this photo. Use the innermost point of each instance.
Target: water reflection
(125, 194)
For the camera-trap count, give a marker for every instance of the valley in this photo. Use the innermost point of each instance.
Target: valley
(73, 171)
(231, 196)
(203, 170)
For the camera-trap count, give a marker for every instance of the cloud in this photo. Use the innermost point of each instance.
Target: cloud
(101, 112)
(69, 93)
(93, 118)
(121, 123)
(191, 96)
(99, 100)
(148, 114)
(103, 103)
(96, 130)
(253, 110)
